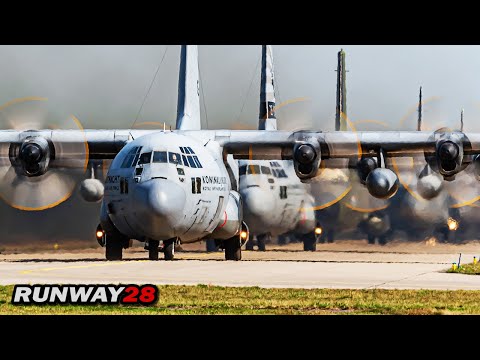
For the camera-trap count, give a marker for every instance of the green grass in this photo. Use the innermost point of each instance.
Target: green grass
(470, 269)
(204, 299)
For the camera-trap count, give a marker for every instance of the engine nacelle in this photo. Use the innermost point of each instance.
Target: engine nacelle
(382, 183)
(429, 186)
(91, 190)
(307, 157)
(476, 166)
(31, 157)
(449, 157)
(364, 167)
(230, 223)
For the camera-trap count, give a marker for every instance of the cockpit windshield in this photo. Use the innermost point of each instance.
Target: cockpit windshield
(174, 158)
(145, 158)
(160, 157)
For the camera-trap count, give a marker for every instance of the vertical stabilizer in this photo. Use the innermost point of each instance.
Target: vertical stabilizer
(267, 119)
(188, 105)
(341, 110)
(420, 111)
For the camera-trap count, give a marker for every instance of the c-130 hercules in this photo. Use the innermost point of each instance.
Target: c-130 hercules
(178, 186)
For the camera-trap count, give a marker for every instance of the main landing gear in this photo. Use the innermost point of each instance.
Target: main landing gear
(233, 249)
(153, 247)
(114, 243)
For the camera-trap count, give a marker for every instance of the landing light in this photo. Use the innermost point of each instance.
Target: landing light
(243, 235)
(99, 234)
(452, 224)
(318, 231)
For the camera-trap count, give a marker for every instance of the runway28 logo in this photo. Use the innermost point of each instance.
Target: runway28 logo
(84, 294)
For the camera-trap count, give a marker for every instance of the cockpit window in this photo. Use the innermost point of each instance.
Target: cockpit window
(145, 158)
(185, 161)
(197, 162)
(174, 158)
(160, 157)
(266, 170)
(132, 157)
(280, 173)
(191, 162)
(253, 169)
(187, 150)
(242, 170)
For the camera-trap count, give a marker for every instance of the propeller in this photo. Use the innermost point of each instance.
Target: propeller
(39, 172)
(447, 173)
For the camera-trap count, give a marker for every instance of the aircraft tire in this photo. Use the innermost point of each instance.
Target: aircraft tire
(153, 249)
(113, 249)
(309, 242)
(169, 249)
(211, 245)
(331, 237)
(261, 240)
(382, 240)
(233, 250)
(250, 244)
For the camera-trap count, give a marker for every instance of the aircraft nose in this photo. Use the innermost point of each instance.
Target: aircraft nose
(259, 205)
(162, 199)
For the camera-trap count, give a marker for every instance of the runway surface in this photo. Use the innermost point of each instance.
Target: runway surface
(327, 268)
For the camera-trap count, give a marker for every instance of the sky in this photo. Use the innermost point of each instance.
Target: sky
(104, 87)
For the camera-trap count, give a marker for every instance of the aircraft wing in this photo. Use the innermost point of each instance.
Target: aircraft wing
(253, 144)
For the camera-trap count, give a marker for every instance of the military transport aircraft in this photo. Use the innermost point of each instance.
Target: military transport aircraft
(275, 200)
(178, 186)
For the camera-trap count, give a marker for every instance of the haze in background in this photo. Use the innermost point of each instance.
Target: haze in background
(104, 86)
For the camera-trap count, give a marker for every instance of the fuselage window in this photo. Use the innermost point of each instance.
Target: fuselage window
(242, 170)
(266, 170)
(191, 162)
(254, 169)
(145, 158)
(160, 157)
(281, 173)
(190, 150)
(182, 150)
(283, 192)
(197, 162)
(271, 181)
(180, 171)
(274, 164)
(174, 158)
(138, 171)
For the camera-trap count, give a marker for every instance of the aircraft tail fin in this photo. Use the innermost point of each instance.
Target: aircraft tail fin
(341, 109)
(188, 105)
(267, 119)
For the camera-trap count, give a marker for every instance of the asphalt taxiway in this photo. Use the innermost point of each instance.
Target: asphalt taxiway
(329, 267)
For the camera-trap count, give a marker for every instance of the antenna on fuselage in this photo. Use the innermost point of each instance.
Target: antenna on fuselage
(267, 119)
(341, 108)
(461, 120)
(420, 111)
(188, 105)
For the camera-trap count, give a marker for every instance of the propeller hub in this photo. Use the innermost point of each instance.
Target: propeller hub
(448, 151)
(305, 154)
(31, 153)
